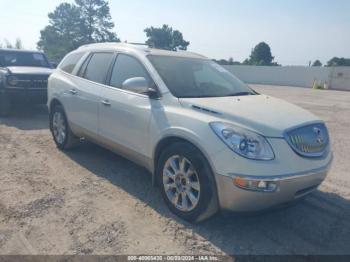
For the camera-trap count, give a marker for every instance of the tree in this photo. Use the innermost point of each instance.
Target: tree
(261, 55)
(18, 44)
(317, 63)
(96, 21)
(230, 61)
(8, 44)
(165, 38)
(63, 34)
(73, 25)
(336, 61)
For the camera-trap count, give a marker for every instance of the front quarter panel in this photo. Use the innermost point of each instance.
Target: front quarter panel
(174, 120)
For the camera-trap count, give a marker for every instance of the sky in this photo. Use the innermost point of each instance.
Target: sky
(298, 31)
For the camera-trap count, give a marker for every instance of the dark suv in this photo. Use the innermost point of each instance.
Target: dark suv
(23, 78)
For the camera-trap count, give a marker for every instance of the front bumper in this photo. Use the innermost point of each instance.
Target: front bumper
(26, 95)
(290, 187)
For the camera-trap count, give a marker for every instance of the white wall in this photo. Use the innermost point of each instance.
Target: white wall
(335, 77)
(340, 78)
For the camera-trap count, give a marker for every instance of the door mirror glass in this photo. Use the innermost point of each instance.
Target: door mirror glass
(136, 85)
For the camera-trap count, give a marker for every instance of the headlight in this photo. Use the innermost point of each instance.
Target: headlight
(243, 142)
(12, 80)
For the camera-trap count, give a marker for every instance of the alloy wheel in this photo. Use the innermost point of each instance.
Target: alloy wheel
(181, 183)
(59, 127)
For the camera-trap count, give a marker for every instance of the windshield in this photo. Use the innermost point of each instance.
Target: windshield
(23, 59)
(192, 77)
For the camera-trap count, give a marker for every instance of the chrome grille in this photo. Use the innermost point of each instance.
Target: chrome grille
(28, 81)
(309, 141)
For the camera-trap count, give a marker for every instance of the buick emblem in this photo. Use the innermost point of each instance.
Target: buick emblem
(319, 135)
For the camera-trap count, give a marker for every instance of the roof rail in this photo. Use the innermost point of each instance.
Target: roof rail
(137, 43)
(113, 43)
(96, 44)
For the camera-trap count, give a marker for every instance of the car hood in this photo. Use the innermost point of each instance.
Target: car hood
(263, 114)
(29, 70)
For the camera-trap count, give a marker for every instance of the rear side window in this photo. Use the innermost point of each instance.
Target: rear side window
(70, 62)
(98, 66)
(126, 67)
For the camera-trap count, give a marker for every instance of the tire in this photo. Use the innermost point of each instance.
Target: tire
(5, 105)
(192, 187)
(60, 130)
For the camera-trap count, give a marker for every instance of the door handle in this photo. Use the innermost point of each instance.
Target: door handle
(73, 91)
(106, 102)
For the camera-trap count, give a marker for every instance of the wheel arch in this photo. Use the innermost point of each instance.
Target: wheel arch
(214, 203)
(54, 102)
(167, 141)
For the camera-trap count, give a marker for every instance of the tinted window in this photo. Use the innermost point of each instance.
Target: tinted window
(23, 59)
(70, 62)
(98, 67)
(126, 67)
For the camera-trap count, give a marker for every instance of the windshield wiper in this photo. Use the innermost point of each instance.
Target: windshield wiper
(243, 94)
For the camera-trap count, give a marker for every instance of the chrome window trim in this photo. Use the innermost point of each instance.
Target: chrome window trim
(105, 86)
(87, 57)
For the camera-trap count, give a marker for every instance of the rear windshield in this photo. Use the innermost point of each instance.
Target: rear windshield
(23, 59)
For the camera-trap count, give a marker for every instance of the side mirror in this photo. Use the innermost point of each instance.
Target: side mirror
(53, 65)
(139, 85)
(136, 84)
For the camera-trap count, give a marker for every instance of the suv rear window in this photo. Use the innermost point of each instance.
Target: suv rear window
(98, 66)
(70, 62)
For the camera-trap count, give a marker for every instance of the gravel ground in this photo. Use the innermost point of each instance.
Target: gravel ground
(91, 201)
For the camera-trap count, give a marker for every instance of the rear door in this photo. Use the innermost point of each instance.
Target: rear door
(87, 91)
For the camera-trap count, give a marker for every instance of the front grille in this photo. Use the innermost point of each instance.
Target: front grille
(309, 141)
(28, 81)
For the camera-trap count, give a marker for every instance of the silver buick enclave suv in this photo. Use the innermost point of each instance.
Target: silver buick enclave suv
(210, 141)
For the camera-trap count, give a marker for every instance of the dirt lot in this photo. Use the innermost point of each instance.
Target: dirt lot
(91, 201)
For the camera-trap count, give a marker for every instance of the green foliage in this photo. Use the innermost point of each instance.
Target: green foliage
(165, 38)
(230, 61)
(63, 34)
(317, 63)
(96, 21)
(336, 61)
(8, 44)
(73, 25)
(261, 55)
(18, 44)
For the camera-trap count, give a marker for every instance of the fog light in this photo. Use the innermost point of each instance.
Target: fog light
(12, 80)
(255, 185)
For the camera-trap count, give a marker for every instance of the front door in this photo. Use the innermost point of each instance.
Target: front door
(125, 116)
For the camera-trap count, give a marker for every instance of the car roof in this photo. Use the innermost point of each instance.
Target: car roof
(138, 48)
(11, 50)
